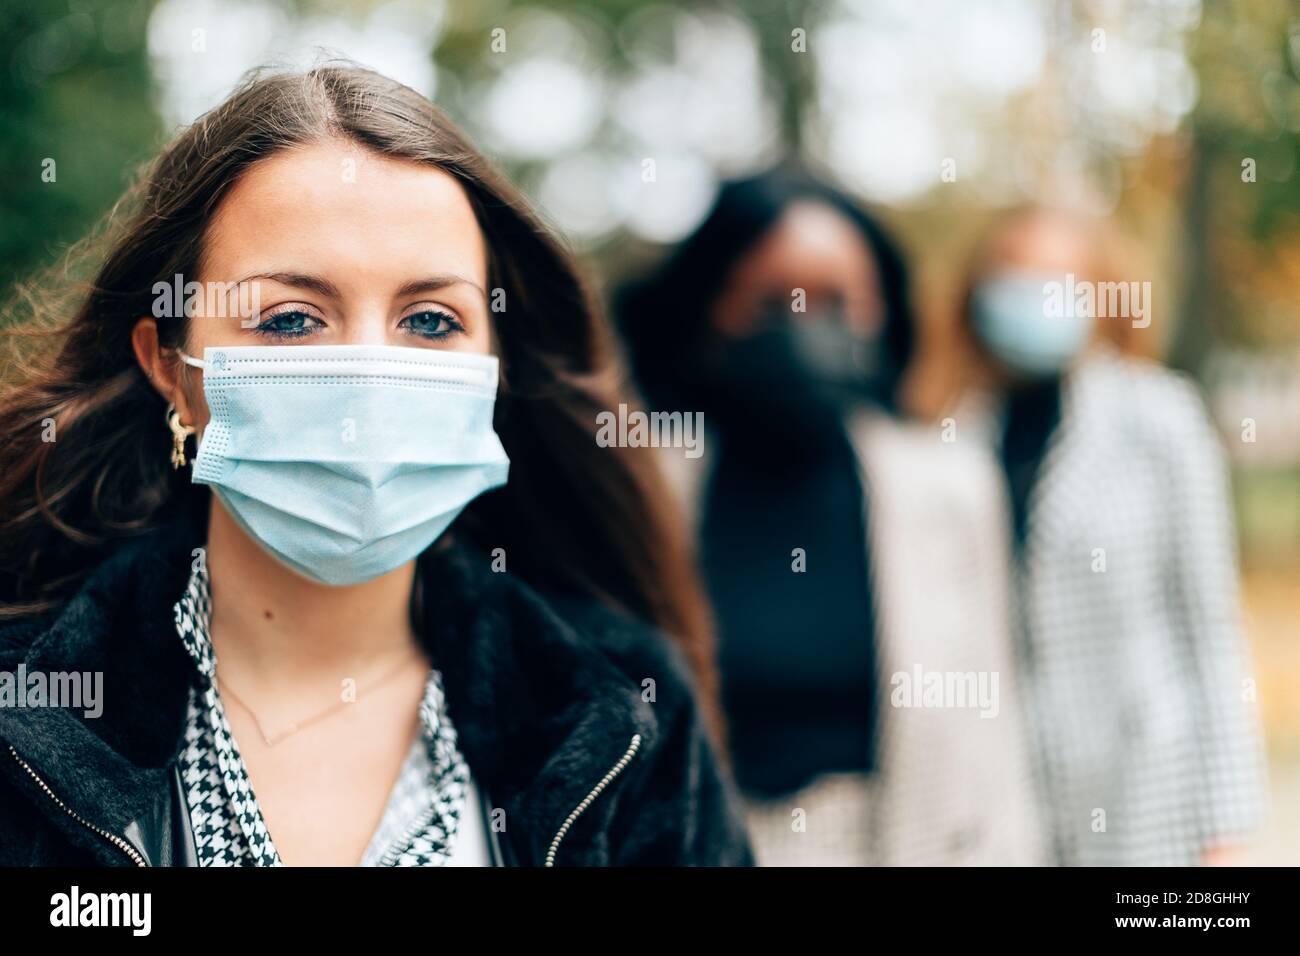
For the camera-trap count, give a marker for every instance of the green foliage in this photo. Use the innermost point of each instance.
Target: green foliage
(76, 90)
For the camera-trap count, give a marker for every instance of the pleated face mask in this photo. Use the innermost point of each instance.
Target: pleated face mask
(347, 461)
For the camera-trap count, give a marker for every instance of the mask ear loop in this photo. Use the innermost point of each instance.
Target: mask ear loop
(191, 360)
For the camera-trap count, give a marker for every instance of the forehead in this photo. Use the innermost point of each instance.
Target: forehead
(1041, 241)
(337, 207)
(814, 244)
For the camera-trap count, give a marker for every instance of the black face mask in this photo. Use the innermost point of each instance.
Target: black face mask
(786, 387)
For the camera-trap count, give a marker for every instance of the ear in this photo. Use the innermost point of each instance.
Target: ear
(161, 366)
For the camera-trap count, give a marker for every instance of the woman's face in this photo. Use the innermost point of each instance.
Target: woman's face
(336, 244)
(1011, 315)
(812, 247)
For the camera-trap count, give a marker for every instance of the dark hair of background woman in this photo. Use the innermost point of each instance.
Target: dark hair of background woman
(666, 315)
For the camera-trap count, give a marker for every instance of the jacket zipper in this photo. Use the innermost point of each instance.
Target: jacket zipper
(605, 781)
(139, 860)
(112, 838)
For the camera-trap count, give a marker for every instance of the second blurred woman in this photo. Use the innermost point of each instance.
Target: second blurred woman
(1145, 740)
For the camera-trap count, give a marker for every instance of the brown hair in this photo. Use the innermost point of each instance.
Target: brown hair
(575, 518)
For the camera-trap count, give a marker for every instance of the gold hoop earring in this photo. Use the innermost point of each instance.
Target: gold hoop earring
(179, 434)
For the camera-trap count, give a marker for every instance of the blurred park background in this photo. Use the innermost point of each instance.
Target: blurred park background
(1179, 119)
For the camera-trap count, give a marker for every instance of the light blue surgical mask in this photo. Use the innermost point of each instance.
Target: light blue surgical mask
(1027, 322)
(347, 461)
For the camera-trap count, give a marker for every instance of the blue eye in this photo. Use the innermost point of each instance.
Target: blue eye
(432, 324)
(288, 324)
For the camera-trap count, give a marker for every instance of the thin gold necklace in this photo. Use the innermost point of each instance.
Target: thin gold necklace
(293, 728)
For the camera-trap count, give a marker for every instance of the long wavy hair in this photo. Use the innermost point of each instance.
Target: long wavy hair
(575, 518)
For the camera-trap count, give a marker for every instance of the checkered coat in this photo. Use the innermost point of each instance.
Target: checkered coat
(1142, 720)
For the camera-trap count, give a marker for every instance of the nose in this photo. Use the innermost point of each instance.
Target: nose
(367, 323)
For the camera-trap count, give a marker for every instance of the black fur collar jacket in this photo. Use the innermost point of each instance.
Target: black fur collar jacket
(549, 699)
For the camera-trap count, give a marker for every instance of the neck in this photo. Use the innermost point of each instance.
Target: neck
(270, 623)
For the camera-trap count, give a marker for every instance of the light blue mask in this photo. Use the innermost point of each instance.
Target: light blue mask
(347, 461)
(1029, 324)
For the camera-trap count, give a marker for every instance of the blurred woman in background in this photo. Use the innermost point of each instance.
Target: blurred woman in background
(1144, 739)
(845, 550)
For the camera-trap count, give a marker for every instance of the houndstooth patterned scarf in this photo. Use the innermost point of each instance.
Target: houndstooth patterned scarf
(420, 821)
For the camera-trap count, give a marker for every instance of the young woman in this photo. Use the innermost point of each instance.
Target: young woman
(334, 528)
(1145, 740)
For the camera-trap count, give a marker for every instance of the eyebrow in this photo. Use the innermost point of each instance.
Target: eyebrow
(322, 286)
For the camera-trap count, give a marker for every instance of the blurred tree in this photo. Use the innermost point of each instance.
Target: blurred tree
(76, 117)
(1242, 227)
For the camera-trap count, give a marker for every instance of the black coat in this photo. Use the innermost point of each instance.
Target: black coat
(546, 697)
